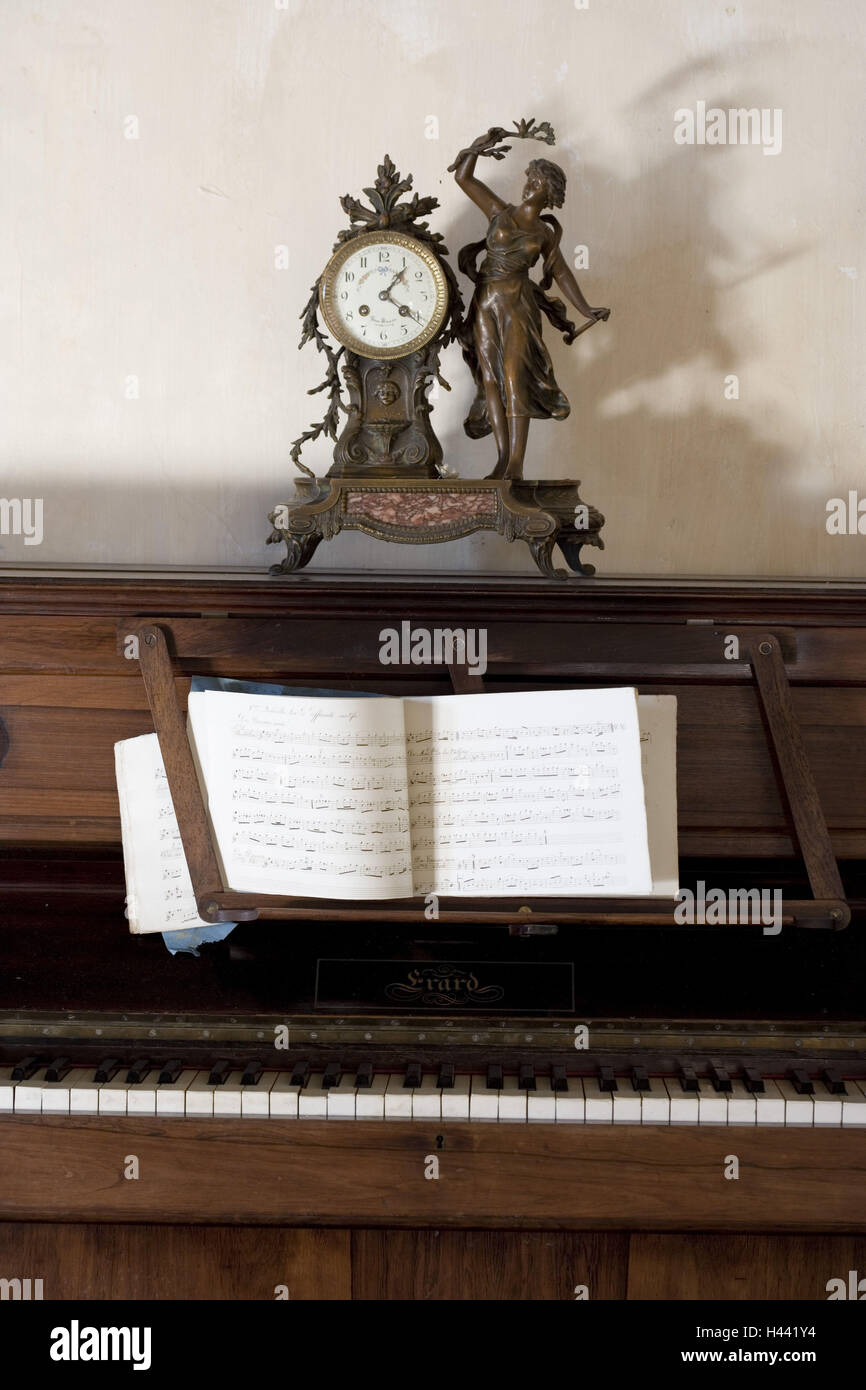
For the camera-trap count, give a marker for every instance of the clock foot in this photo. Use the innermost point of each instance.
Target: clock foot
(298, 554)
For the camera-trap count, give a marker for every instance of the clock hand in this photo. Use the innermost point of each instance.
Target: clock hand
(404, 309)
(386, 294)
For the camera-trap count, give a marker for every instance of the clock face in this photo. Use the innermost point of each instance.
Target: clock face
(384, 294)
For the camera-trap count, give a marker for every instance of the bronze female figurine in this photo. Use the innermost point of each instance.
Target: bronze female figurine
(502, 340)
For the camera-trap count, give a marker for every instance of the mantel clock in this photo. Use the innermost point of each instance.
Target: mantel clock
(390, 301)
(384, 307)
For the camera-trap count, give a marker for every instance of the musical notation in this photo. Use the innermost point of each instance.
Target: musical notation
(318, 864)
(537, 804)
(308, 789)
(523, 733)
(159, 892)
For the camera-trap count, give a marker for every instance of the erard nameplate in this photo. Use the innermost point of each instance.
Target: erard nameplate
(506, 986)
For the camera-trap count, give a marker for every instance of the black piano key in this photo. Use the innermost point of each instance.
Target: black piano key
(56, 1070)
(495, 1079)
(139, 1070)
(23, 1071)
(171, 1070)
(720, 1078)
(526, 1077)
(331, 1075)
(107, 1069)
(688, 1079)
(445, 1079)
(252, 1073)
(606, 1079)
(833, 1081)
(300, 1073)
(412, 1079)
(218, 1072)
(753, 1081)
(639, 1079)
(558, 1078)
(364, 1075)
(802, 1085)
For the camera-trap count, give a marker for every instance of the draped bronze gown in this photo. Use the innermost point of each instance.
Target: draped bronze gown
(505, 323)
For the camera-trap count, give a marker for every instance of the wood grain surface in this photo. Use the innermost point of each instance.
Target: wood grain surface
(497, 1175)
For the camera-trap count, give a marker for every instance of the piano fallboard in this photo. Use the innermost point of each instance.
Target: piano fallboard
(373, 1174)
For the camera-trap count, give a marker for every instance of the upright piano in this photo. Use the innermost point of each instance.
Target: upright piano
(532, 1101)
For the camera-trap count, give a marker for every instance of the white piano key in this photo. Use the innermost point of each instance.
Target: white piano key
(655, 1104)
(341, 1099)
(227, 1097)
(427, 1099)
(256, 1100)
(512, 1100)
(283, 1097)
(28, 1094)
(171, 1095)
(828, 1105)
(626, 1103)
(84, 1093)
(799, 1109)
(570, 1106)
(7, 1089)
(742, 1108)
(141, 1097)
(854, 1103)
(113, 1095)
(56, 1095)
(455, 1099)
(712, 1104)
(398, 1098)
(370, 1100)
(199, 1095)
(541, 1103)
(483, 1100)
(769, 1104)
(598, 1103)
(684, 1104)
(313, 1099)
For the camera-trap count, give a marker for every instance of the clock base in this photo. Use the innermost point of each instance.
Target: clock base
(544, 513)
(388, 429)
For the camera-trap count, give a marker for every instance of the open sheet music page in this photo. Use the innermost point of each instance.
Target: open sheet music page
(307, 797)
(537, 793)
(158, 885)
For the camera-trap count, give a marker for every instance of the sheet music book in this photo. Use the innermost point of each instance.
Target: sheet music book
(543, 793)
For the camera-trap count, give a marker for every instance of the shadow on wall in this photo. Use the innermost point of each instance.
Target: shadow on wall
(649, 410)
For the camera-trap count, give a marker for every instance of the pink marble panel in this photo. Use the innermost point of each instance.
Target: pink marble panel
(421, 508)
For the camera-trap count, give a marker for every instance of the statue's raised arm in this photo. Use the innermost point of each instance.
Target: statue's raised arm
(463, 169)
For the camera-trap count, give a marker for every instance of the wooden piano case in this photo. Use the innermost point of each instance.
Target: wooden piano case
(236, 1208)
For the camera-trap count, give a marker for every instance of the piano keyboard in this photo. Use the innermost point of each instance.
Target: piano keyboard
(606, 1097)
